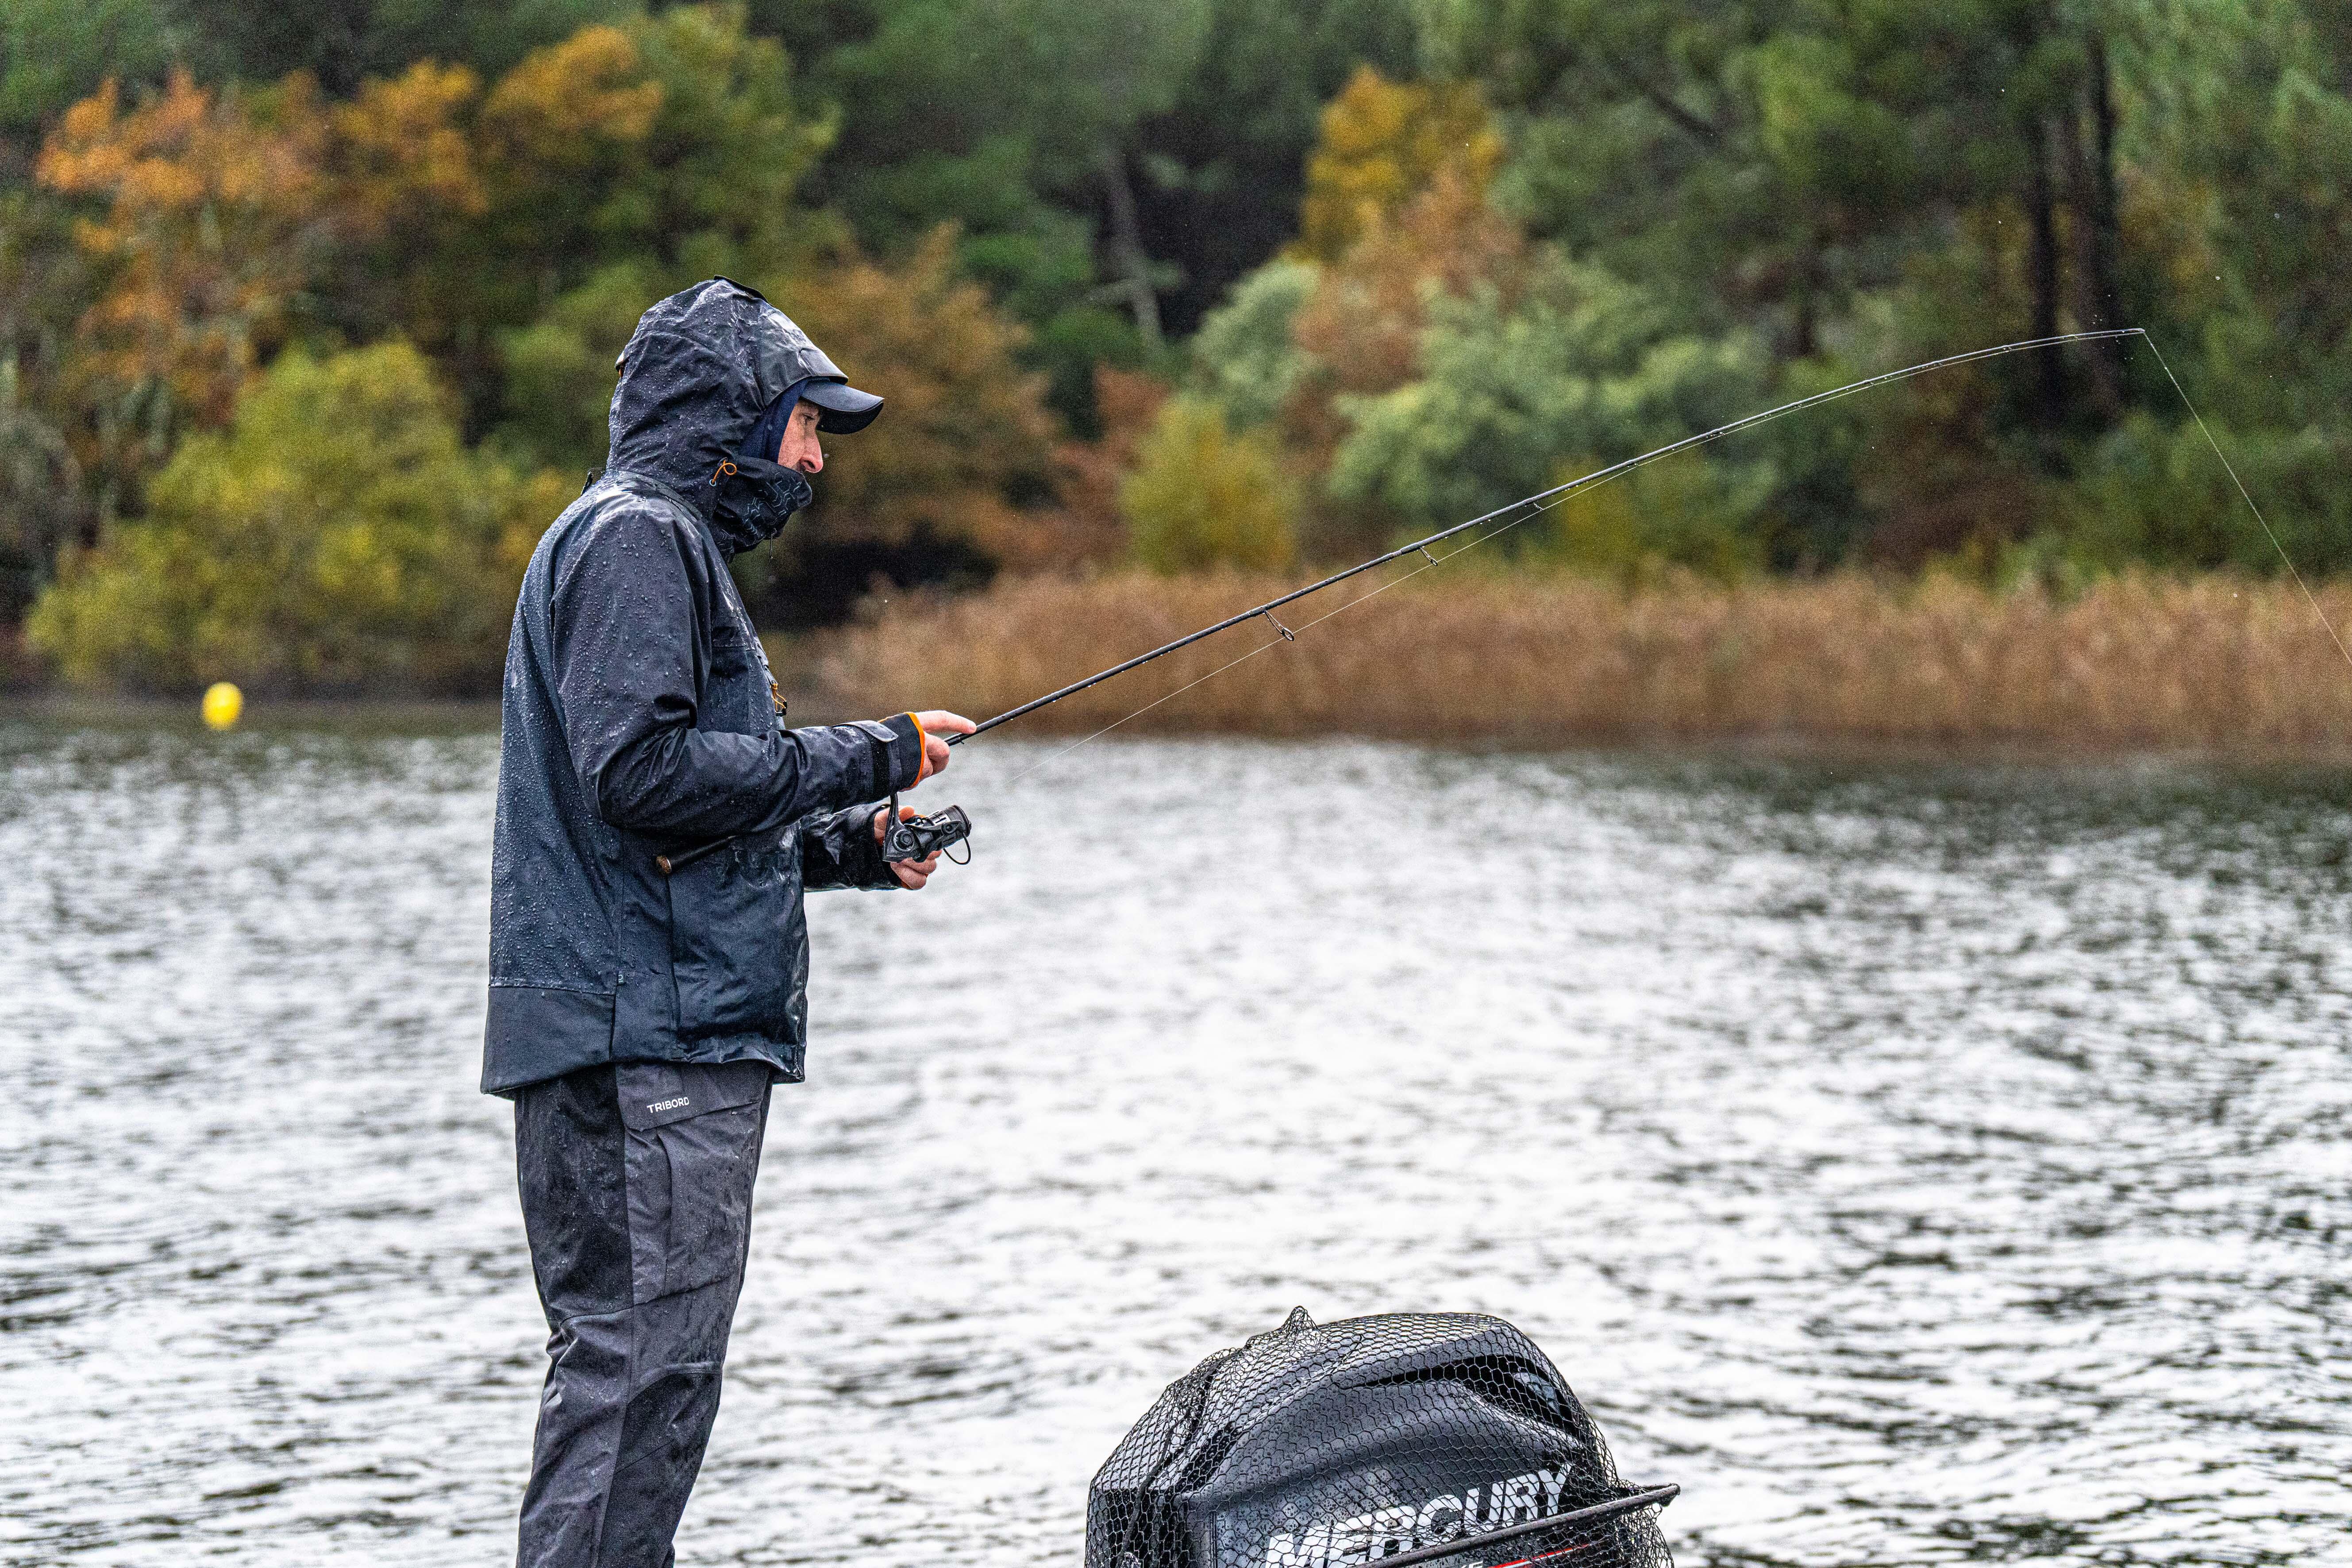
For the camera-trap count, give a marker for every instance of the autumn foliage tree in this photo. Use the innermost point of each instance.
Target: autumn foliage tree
(1383, 143)
(201, 208)
(964, 455)
(1396, 220)
(509, 231)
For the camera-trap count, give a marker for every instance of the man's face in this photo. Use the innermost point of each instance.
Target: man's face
(800, 449)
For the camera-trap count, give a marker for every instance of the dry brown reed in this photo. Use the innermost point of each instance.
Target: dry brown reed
(2211, 664)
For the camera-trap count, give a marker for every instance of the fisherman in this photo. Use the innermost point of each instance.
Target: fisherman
(657, 825)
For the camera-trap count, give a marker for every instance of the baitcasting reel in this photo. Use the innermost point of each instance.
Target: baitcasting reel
(915, 838)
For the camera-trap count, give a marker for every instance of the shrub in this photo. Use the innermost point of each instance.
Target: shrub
(336, 536)
(1203, 496)
(1683, 512)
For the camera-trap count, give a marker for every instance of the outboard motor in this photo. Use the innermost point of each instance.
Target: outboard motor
(1442, 1438)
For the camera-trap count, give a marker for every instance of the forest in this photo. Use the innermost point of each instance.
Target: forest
(308, 314)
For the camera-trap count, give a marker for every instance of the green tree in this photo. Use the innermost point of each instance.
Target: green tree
(2153, 494)
(1015, 121)
(1246, 354)
(559, 371)
(1113, 169)
(2253, 106)
(343, 42)
(41, 503)
(45, 288)
(1763, 161)
(336, 536)
(1027, 93)
(1867, 183)
(1580, 363)
(54, 53)
(1223, 168)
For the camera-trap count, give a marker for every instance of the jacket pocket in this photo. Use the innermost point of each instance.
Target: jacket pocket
(737, 696)
(733, 951)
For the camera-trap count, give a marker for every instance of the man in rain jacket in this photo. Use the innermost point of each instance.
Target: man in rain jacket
(657, 825)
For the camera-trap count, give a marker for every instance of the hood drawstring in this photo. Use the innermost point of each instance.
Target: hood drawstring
(756, 493)
(753, 499)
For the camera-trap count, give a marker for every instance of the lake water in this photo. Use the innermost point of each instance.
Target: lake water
(1919, 1164)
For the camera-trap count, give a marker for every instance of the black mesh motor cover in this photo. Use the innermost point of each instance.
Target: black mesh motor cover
(1323, 1445)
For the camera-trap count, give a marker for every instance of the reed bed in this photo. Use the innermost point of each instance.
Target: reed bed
(2208, 664)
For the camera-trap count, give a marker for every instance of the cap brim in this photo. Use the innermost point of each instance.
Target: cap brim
(846, 409)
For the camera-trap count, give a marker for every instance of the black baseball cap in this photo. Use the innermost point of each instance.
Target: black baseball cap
(844, 407)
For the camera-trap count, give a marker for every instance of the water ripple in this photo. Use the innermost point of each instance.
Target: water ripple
(1921, 1164)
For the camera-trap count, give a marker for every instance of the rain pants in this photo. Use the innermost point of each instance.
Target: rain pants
(636, 1193)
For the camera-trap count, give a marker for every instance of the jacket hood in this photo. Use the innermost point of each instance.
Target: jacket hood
(694, 377)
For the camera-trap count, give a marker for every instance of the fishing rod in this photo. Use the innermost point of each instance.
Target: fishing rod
(915, 836)
(1543, 500)
(923, 834)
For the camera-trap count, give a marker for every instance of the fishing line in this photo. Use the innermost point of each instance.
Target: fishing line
(1536, 505)
(2230, 469)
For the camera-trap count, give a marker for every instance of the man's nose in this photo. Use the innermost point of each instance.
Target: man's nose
(813, 460)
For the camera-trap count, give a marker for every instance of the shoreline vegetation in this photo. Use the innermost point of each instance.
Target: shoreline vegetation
(2213, 666)
(309, 329)
(2137, 663)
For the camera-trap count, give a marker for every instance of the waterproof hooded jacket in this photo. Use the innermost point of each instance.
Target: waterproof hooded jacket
(640, 721)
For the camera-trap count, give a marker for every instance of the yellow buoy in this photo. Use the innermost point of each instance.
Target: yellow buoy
(223, 703)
